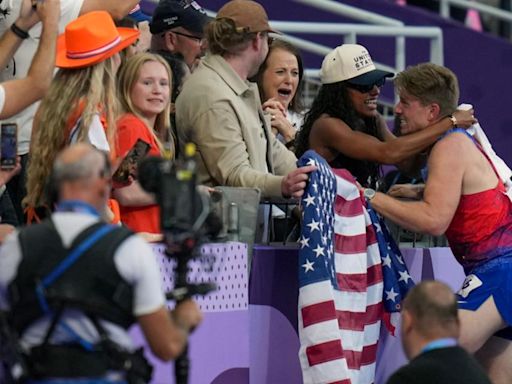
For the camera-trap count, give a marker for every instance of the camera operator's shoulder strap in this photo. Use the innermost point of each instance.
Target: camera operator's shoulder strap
(83, 275)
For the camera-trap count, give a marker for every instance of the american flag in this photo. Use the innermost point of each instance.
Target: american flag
(342, 279)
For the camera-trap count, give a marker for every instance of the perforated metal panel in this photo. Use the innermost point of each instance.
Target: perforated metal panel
(224, 264)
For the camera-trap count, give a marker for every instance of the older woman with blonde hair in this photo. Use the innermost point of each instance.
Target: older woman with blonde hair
(144, 87)
(81, 104)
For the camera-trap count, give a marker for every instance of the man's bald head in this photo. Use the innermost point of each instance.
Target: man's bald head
(78, 162)
(81, 172)
(75, 153)
(433, 306)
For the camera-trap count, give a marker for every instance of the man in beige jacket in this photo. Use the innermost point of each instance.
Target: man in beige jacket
(220, 111)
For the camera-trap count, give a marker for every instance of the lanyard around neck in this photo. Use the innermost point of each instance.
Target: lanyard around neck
(439, 343)
(76, 206)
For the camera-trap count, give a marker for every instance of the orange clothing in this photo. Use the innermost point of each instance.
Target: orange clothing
(129, 129)
(113, 205)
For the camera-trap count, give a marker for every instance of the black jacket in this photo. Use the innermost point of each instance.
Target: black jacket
(452, 365)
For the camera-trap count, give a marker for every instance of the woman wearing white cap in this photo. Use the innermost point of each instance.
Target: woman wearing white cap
(344, 126)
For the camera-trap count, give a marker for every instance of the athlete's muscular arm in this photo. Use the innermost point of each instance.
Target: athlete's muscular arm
(333, 133)
(441, 197)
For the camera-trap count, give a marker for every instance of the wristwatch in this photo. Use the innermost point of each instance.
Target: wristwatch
(369, 193)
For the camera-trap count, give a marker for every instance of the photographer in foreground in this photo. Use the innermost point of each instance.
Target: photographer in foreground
(72, 320)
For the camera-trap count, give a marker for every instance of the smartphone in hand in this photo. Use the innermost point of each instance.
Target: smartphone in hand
(8, 145)
(128, 166)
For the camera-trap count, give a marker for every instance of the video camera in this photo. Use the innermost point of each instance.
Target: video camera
(185, 219)
(185, 215)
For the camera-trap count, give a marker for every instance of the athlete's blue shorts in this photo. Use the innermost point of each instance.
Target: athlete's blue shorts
(493, 278)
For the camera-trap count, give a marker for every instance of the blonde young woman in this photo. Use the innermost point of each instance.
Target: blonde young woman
(81, 104)
(144, 86)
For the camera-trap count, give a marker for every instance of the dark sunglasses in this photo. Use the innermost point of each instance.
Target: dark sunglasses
(366, 88)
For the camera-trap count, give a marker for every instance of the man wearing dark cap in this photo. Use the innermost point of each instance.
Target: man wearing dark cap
(220, 110)
(177, 27)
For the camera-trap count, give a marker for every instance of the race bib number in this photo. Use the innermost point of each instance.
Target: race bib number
(470, 283)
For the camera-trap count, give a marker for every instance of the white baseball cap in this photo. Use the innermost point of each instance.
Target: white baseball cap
(351, 62)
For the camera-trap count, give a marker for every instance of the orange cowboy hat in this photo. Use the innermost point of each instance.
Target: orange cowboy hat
(90, 39)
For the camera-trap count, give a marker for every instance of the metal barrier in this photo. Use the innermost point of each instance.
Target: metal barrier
(368, 18)
(352, 12)
(349, 31)
(483, 8)
(434, 34)
(387, 25)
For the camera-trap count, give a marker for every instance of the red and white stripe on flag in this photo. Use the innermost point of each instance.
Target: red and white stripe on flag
(339, 328)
